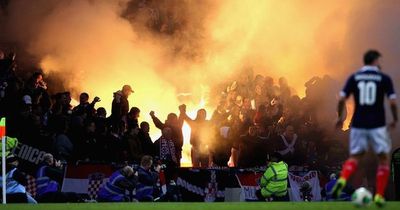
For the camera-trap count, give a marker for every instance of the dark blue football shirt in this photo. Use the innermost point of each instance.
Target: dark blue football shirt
(369, 87)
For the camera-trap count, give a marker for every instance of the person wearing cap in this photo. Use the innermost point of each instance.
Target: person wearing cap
(120, 181)
(274, 181)
(120, 104)
(16, 182)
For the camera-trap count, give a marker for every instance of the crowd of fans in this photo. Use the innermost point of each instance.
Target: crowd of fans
(254, 118)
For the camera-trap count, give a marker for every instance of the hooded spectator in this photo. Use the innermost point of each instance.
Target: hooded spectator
(132, 118)
(120, 104)
(145, 139)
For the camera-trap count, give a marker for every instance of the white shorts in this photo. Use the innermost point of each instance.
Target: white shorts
(377, 138)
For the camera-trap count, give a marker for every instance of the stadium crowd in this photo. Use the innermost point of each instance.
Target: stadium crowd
(254, 118)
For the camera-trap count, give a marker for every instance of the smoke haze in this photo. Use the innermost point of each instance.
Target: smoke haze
(164, 48)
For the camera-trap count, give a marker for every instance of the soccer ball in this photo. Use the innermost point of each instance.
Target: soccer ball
(361, 197)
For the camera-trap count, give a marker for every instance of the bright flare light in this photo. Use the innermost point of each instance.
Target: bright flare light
(186, 160)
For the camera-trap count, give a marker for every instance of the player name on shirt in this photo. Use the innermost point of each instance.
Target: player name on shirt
(374, 77)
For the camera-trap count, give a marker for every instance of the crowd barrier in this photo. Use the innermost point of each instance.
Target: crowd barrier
(196, 185)
(207, 185)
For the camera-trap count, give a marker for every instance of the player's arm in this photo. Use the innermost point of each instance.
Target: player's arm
(393, 108)
(392, 101)
(344, 94)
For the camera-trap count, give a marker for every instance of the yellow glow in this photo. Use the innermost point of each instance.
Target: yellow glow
(186, 160)
(98, 51)
(350, 111)
(74, 102)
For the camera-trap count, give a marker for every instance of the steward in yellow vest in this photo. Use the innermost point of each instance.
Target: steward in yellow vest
(274, 181)
(11, 143)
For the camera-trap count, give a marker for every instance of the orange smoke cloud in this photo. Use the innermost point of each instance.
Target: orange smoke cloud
(96, 47)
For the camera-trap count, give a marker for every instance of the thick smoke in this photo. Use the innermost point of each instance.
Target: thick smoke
(164, 48)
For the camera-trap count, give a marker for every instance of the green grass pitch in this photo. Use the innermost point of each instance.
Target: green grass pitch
(199, 206)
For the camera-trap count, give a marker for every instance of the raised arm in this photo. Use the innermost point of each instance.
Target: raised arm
(95, 100)
(311, 81)
(184, 116)
(157, 122)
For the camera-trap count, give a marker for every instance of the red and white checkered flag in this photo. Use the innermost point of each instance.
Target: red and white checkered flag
(95, 182)
(31, 185)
